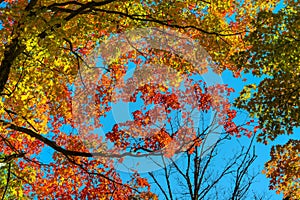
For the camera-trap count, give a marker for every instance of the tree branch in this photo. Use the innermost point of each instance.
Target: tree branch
(7, 181)
(30, 5)
(165, 23)
(66, 152)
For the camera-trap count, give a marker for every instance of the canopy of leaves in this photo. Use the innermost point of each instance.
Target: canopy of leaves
(274, 55)
(45, 45)
(283, 169)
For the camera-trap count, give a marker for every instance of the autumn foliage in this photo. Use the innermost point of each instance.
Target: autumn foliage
(48, 48)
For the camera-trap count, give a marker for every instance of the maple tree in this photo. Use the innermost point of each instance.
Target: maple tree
(46, 44)
(274, 55)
